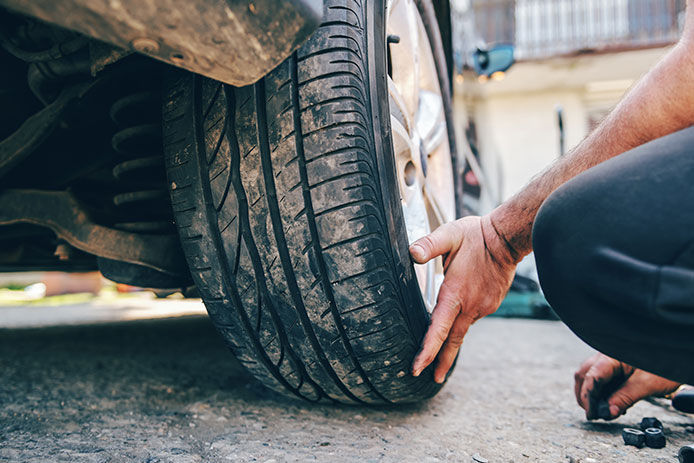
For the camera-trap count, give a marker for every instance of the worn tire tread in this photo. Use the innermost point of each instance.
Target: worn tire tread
(280, 211)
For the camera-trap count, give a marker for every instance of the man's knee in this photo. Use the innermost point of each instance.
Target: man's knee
(562, 256)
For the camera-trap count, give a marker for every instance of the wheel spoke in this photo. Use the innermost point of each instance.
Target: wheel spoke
(431, 121)
(403, 22)
(427, 72)
(437, 214)
(438, 188)
(416, 215)
(398, 107)
(427, 274)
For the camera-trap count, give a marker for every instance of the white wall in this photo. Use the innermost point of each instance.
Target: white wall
(516, 118)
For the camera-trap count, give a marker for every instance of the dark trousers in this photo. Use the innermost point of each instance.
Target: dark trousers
(615, 256)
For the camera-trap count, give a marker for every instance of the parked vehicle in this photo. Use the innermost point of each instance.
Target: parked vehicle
(280, 156)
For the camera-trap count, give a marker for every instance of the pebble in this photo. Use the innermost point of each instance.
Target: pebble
(479, 459)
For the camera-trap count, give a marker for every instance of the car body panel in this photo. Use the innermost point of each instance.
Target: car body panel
(236, 42)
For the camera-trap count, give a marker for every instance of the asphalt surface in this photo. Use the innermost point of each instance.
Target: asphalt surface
(168, 390)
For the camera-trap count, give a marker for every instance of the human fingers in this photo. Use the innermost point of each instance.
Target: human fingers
(580, 375)
(640, 385)
(439, 242)
(626, 396)
(442, 319)
(600, 372)
(451, 347)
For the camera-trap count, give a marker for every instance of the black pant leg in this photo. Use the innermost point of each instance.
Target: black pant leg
(615, 256)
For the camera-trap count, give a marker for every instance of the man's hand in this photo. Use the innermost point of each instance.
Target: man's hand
(479, 269)
(628, 386)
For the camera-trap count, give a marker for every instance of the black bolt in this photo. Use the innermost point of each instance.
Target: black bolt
(633, 437)
(655, 438)
(604, 410)
(392, 38)
(650, 422)
(686, 454)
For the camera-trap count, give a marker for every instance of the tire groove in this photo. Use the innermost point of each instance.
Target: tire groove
(281, 241)
(244, 223)
(325, 51)
(218, 246)
(329, 75)
(218, 146)
(314, 229)
(353, 239)
(347, 149)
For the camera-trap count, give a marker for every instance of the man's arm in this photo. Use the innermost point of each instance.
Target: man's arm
(481, 253)
(662, 102)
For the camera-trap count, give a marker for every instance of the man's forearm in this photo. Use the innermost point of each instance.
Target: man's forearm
(662, 102)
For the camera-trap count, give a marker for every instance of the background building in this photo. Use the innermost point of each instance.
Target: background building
(575, 57)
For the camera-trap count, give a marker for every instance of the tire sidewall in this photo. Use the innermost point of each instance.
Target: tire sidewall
(415, 310)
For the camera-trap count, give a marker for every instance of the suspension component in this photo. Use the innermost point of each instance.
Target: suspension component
(118, 104)
(55, 57)
(143, 198)
(62, 213)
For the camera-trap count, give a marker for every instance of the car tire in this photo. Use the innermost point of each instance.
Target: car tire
(287, 204)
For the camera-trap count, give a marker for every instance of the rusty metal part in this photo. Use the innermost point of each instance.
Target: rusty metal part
(236, 42)
(62, 213)
(102, 54)
(63, 251)
(37, 128)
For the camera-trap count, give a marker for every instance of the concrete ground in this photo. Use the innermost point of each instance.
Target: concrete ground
(167, 390)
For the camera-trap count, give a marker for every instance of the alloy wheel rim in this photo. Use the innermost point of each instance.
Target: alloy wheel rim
(420, 136)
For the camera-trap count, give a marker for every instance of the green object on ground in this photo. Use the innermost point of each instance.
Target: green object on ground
(525, 305)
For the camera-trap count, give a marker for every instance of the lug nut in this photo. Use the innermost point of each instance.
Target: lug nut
(604, 410)
(655, 438)
(650, 422)
(633, 437)
(686, 454)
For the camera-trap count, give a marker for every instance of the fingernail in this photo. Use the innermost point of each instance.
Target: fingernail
(417, 251)
(416, 373)
(439, 378)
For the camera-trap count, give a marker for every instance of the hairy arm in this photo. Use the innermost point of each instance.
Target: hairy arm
(481, 253)
(662, 102)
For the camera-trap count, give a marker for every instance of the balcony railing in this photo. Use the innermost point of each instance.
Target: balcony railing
(544, 28)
